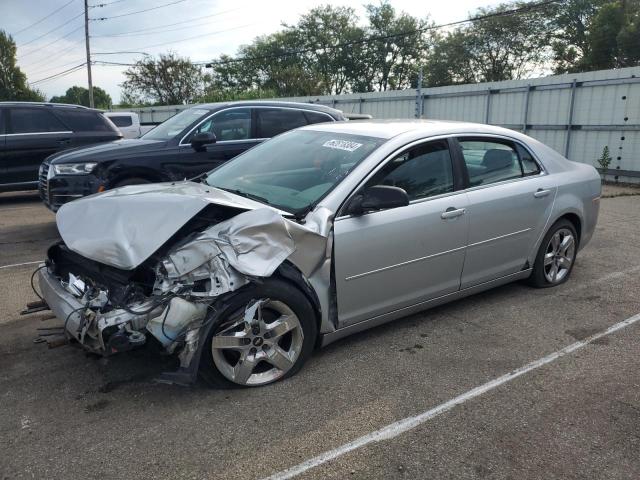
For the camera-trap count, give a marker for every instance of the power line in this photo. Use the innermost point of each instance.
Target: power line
(55, 67)
(43, 18)
(58, 54)
(59, 74)
(127, 33)
(35, 50)
(190, 38)
(99, 5)
(138, 11)
(52, 30)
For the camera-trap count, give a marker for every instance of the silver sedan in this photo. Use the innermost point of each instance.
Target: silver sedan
(319, 233)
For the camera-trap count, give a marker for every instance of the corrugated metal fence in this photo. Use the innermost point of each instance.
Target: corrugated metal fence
(576, 114)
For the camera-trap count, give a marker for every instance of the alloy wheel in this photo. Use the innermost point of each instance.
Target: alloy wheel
(559, 255)
(258, 345)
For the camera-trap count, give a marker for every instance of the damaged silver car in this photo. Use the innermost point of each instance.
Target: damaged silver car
(316, 234)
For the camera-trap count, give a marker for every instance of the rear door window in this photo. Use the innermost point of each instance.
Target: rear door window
(273, 121)
(490, 161)
(84, 120)
(34, 120)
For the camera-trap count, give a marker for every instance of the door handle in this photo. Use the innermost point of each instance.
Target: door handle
(541, 193)
(452, 212)
(64, 141)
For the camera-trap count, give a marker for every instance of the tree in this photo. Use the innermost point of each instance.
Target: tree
(168, 80)
(13, 82)
(449, 62)
(496, 48)
(80, 96)
(321, 32)
(394, 59)
(596, 34)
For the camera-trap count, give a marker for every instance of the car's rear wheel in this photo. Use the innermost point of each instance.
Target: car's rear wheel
(265, 333)
(556, 256)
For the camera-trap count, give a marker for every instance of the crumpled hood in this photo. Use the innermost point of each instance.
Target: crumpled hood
(125, 226)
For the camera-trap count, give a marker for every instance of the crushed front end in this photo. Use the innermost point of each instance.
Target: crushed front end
(113, 297)
(108, 310)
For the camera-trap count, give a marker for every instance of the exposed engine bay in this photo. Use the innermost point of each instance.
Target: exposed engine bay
(169, 295)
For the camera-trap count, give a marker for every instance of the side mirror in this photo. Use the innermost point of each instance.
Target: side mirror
(378, 197)
(199, 140)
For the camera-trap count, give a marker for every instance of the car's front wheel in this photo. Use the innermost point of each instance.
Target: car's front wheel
(556, 255)
(265, 333)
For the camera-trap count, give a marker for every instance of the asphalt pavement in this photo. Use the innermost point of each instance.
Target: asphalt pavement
(64, 414)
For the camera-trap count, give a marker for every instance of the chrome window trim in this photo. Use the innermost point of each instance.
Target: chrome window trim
(228, 142)
(509, 139)
(181, 144)
(34, 133)
(387, 159)
(455, 136)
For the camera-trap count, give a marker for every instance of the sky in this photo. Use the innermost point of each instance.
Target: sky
(50, 43)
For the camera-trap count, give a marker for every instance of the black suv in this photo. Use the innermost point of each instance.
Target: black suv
(191, 142)
(30, 132)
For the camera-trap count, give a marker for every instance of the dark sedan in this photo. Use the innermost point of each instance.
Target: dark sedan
(192, 142)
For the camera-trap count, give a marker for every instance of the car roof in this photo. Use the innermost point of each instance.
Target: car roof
(392, 128)
(268, 103)
(47, 104)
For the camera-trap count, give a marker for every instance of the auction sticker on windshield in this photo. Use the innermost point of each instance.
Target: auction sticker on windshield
(342, 145)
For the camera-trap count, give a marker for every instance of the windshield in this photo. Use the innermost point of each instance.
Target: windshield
(294, 170)
(176, 124)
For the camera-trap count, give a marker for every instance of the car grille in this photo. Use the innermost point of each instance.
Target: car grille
(43, 183)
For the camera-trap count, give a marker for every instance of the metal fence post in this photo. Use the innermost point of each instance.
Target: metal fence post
(360, 102)
(525, 116)
(567, 145)
(418, 112)
(487, 107)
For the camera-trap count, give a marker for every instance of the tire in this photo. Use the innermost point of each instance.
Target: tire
(270, 348)
(553, 257)
(131, 181)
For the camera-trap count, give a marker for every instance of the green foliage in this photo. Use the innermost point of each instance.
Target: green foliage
(13, 82)
(493, 49)
(326, 65)
(605, 159)
(596, 34)
(167, 80)
(80, 96)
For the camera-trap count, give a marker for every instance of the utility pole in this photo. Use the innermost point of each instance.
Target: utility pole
(418, 113)
(86, 42)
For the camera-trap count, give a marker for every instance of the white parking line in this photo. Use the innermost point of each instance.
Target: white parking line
(409, 423)
(20, 264)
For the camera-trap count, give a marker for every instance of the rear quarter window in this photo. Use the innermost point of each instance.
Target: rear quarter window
(121, 120)
(316, 117)
(85, 121)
